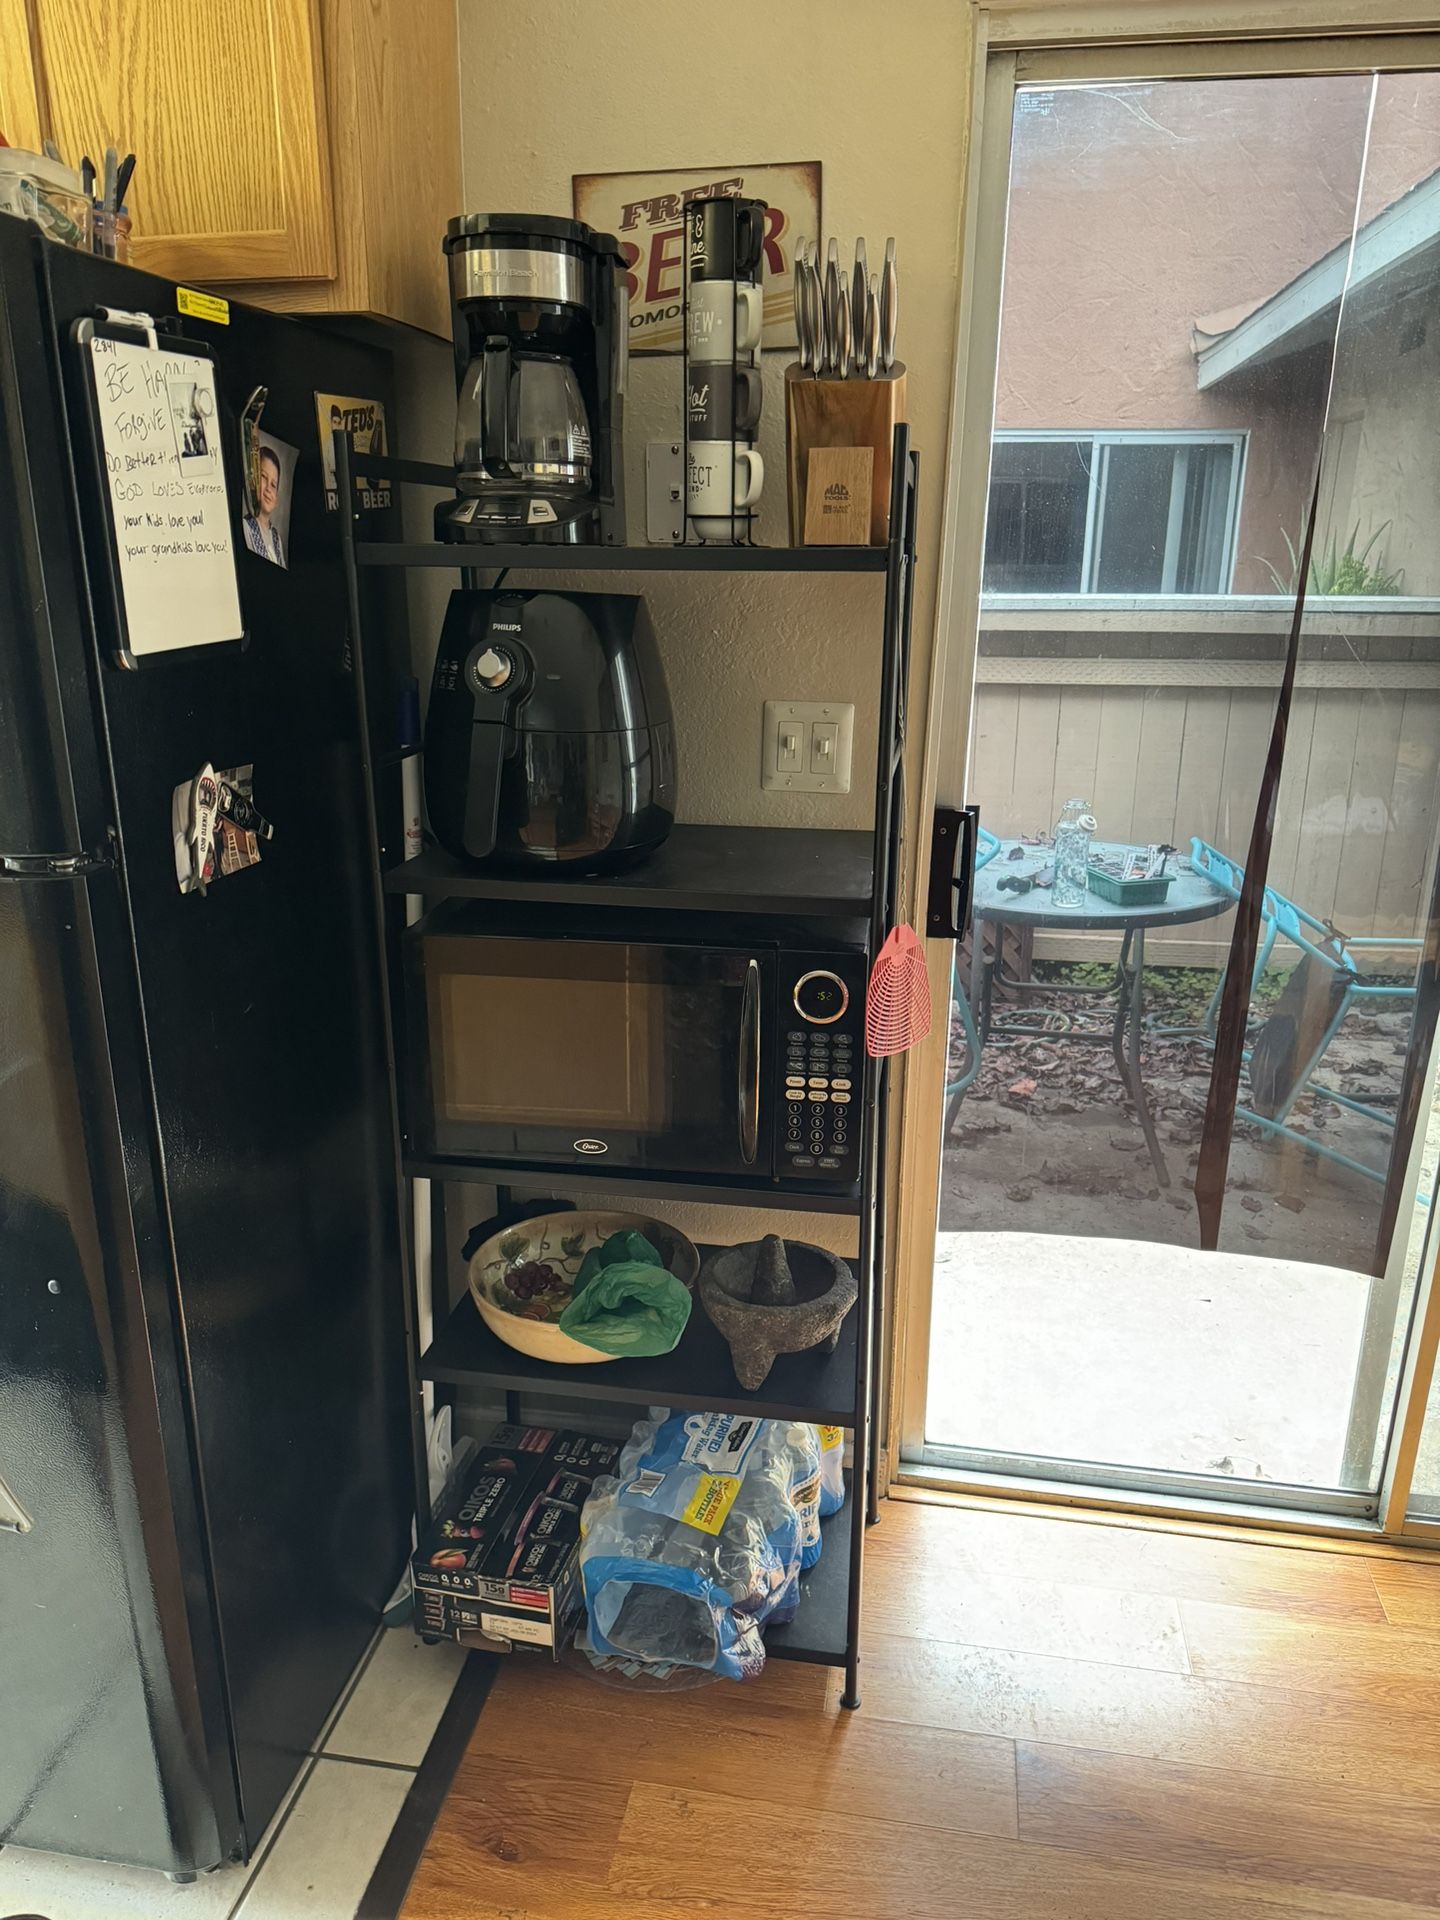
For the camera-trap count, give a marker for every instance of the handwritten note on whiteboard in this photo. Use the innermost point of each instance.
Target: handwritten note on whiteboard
(165, 475)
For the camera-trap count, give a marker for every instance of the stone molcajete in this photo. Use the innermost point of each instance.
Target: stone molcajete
(768, 1297)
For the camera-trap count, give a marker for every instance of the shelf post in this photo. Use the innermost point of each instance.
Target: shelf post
(345, 491)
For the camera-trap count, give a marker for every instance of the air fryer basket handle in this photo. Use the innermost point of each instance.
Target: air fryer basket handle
(489, 747)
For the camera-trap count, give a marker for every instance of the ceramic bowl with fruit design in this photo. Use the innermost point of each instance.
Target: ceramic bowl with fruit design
(523, 1277)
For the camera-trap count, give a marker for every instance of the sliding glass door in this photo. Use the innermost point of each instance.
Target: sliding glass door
(1213, 351)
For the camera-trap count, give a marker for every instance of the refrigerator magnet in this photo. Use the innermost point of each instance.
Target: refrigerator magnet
(365, 419)
(250, 445)
(267, 523)
(193, 807)
(215, 826)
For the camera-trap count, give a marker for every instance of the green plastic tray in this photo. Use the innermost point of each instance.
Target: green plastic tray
(1130, 893)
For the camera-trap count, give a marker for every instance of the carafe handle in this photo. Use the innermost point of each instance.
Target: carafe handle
(495, 408)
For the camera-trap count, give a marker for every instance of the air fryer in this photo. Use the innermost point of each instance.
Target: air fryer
(549, 741)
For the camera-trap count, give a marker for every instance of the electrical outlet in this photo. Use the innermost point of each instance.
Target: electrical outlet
(806, 746)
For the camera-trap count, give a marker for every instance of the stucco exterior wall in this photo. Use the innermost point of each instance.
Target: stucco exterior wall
(1135, 211)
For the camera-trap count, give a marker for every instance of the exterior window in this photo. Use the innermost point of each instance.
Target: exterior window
(1113, 512)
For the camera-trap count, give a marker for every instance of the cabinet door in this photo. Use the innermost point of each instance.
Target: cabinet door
(223, 101)
(19, 107)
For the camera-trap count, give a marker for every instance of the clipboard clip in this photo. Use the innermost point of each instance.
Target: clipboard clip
(136, 322)
(250, 447)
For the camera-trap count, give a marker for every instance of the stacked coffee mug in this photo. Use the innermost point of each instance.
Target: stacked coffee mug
(725, 318)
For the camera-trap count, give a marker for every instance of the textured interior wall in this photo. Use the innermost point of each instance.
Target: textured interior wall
(551, 88)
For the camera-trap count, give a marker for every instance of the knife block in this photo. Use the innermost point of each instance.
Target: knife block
(841, 413)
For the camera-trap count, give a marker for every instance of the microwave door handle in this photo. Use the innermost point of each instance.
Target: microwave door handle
(749, 1069)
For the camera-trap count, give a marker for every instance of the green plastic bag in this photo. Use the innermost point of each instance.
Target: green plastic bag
(626, 1301)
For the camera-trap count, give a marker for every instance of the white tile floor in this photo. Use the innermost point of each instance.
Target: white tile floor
(322, 1846)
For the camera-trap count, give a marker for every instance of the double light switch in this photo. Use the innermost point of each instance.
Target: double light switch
(806, 746)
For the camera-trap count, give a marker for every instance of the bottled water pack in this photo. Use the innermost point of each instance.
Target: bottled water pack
(699, 1541)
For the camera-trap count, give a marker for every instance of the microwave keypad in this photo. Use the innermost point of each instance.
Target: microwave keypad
(822, 1079)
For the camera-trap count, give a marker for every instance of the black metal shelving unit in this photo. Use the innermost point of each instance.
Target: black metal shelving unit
(791, 872)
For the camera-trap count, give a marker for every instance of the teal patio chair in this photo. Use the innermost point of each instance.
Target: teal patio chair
(1282, 919)
(987, 845)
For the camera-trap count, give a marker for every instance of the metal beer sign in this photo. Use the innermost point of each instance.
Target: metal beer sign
(645, 212)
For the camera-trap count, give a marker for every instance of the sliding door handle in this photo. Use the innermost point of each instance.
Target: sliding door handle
(952, 872)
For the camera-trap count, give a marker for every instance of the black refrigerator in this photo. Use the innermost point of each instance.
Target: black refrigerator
(206, 1468)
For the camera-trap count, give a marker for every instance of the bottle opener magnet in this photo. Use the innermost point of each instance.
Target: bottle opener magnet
(204, 805)
(250, 447)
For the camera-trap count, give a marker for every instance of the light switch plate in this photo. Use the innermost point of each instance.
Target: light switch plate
(664, 494)
(794, 756)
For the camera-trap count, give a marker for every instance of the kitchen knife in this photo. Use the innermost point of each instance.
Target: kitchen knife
(802, 333)
(889, 307)
(872, 328)
(819, 340)
(814, 323)
(843, 341)
(859, 279)
(832, 305)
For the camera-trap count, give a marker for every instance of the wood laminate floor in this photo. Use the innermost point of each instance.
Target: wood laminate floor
(1061, 1721)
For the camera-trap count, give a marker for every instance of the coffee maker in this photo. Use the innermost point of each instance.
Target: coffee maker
(539, 317)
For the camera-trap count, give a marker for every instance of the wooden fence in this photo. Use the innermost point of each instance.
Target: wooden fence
(1159, 713)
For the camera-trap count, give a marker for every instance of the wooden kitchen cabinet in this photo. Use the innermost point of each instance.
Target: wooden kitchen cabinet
(302, 154)
(223, 101)
(392, 93)
(19, 104)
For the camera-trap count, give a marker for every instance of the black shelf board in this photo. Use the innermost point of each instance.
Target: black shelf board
(667, 559)
(797, 871)
(632, 1186)
(818, 1634)
(815, 1386)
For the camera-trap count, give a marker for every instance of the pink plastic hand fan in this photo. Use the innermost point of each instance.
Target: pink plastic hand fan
(897, 1010)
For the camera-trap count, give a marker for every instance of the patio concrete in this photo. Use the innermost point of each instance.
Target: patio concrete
(1135, 1353)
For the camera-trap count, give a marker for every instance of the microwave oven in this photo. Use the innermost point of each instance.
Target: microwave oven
(684, 1045)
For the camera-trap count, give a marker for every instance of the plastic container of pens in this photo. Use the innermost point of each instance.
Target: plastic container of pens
(46, 193)
(110, 233)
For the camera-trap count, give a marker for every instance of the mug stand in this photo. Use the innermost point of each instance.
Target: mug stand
(741, 520)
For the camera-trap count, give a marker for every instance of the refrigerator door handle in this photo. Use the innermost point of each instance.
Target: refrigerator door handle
(63, 866)
(13, 1517)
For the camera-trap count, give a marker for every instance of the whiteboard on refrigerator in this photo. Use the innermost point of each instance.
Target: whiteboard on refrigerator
(164, 480)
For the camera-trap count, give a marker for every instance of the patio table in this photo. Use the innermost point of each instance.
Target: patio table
(1192, 896)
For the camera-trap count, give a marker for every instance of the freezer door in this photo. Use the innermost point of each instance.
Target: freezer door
(114, 1733)
(52, 802)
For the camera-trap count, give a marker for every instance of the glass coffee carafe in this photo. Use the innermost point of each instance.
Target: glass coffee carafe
(521, 421)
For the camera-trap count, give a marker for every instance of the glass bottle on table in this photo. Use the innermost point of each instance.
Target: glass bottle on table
(1073, 833)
